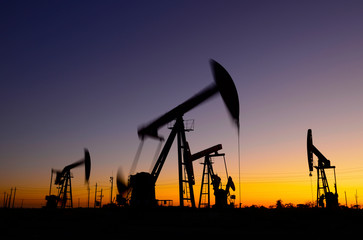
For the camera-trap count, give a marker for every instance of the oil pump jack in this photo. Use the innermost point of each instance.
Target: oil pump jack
(220, 194)
(142, 185)
(63, 180)
(323, 190)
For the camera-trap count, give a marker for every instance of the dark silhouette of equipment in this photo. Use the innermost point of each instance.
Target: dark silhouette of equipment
(142, 185)
(323, 190)
(210, 178)
(63, 180)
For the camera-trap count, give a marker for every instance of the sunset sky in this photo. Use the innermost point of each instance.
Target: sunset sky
(87, 74)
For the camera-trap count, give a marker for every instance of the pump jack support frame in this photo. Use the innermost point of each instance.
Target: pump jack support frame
(185, 168)
(65, 192)
(322, 184)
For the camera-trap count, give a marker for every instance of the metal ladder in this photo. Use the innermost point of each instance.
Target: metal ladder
(188, 196)
(204, 198)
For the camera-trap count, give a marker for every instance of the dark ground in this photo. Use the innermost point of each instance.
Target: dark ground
(176, 222)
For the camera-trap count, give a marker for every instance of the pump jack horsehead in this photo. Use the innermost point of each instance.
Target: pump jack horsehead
(141, 186)
(323, 190)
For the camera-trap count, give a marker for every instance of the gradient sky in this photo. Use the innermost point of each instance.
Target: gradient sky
(78, 74)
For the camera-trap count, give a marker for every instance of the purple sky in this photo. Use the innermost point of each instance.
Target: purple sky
(88, 73)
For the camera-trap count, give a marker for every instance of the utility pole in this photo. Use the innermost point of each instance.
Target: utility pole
(9, 200)
(111, 180)
(98, 198)
(95, 196)
(14, 196)
(101, 198)
(346, 202)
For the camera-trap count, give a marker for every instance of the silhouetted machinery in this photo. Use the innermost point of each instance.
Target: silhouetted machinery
(323, 190)
(142, 185)
(63, 180)
(210, 178)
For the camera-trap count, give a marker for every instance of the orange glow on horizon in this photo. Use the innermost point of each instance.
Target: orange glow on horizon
(264, 182)
(257, 189)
